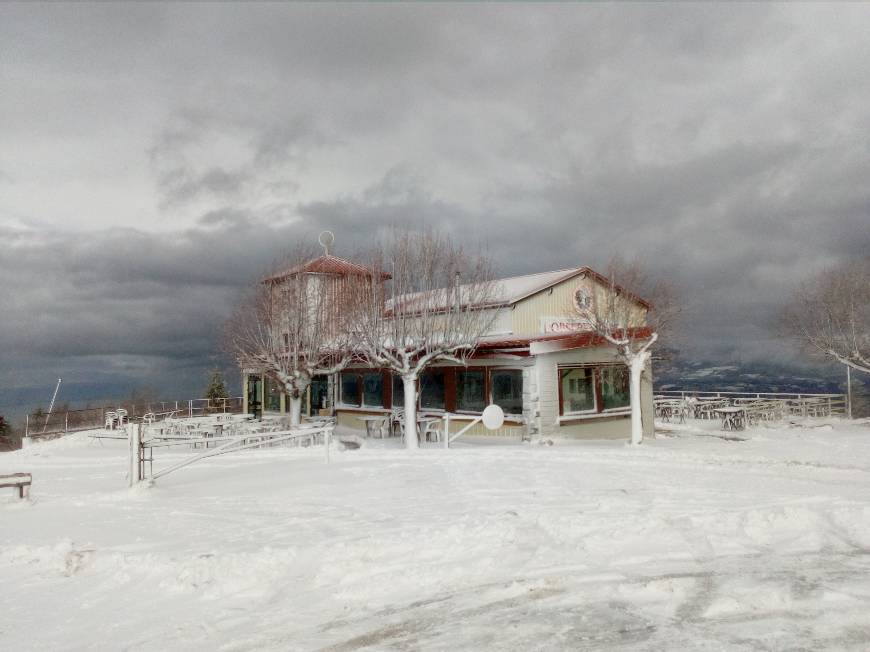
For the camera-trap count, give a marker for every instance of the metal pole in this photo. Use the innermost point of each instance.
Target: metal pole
(27, 426)
(849, 391)
(51, 405)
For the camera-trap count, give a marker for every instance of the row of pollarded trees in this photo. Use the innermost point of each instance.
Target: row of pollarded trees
(407, 309)
(402, 312)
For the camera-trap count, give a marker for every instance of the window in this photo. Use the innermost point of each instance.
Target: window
(507, 389)
(373, 389)
(577, 390)
(319, 393)
(593, 389)
(398, 392)
(432, 390)
(273, 395)
(471, 390)
(614, 387)
(350, 388)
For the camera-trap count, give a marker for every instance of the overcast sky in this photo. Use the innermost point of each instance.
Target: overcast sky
(155, 158)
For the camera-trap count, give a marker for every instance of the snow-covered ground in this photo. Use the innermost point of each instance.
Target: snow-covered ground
(690, 541)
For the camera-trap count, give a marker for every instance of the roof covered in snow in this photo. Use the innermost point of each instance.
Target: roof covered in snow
(325, 264)
(505, 291)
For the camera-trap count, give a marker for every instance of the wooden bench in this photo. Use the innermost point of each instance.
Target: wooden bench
(20, 481)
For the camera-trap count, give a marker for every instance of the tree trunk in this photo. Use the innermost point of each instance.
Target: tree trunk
(636, 364)
(295, 410)
(410, 386)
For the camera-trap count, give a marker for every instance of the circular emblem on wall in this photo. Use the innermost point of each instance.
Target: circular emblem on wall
(582, 299)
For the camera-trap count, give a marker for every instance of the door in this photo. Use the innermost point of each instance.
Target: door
(255, 395)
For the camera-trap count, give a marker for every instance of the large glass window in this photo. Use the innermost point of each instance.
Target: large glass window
(350, 388)
(398, 392)
(373, 389)
(507, 389)
(578, 390)
(273, 395)
(614, 387)
(470, 390)
(432, 390)
(319, 393)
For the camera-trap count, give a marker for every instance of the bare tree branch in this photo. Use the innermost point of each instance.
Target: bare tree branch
(830, 315)
(436, 305)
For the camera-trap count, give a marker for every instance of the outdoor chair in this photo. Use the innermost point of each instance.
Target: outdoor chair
(397, 419)
(111, 419)
(432, 430)
(122, 417)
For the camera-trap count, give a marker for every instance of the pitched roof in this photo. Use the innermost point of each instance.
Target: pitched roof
(326, 264)
(508, 291)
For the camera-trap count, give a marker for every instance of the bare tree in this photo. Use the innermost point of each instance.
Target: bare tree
(434, 305)
(830, 314)
(299, 322)
(631, 310)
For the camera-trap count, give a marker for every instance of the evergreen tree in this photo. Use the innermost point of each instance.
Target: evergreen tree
(217, 388)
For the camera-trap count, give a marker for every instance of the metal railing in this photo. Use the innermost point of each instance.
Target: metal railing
(827, 404)
(58, 423)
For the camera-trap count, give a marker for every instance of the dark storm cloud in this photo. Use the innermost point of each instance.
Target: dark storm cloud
(157, 157)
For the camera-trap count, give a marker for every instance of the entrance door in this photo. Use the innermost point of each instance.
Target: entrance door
(255, 395)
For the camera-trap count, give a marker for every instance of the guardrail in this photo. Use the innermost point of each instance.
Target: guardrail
(833, 404)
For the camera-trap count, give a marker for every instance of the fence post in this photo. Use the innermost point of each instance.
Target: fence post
(134, 463)
(447, 430)
(190, 409)
(27, 426)
(65, 422)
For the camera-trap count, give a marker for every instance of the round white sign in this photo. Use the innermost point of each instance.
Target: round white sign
(493, 417)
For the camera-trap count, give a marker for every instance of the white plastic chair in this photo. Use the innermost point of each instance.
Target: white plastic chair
(111, 419)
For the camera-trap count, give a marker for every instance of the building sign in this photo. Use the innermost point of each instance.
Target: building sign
(556, 325)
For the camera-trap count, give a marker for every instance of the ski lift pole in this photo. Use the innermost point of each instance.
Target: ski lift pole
(51, 405)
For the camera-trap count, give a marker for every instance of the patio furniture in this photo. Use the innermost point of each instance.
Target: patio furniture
(733, 417)
(111, 420)
(375, 424)
(430, 428)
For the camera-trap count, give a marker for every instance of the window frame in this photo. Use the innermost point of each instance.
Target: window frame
(599, 410)
(487, 399)
(386, 393)
(491, 399)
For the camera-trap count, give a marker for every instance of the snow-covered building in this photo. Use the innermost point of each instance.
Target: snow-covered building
(539, 363)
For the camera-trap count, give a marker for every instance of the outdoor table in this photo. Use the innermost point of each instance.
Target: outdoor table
(733, 418)
(371, 420)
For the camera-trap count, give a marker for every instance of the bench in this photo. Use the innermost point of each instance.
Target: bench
(20, 481)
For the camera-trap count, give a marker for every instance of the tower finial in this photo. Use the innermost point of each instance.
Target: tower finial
(326, 238)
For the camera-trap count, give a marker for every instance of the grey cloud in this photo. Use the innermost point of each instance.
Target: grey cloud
(724, 145)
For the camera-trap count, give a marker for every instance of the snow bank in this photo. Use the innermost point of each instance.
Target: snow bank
(688, 541)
